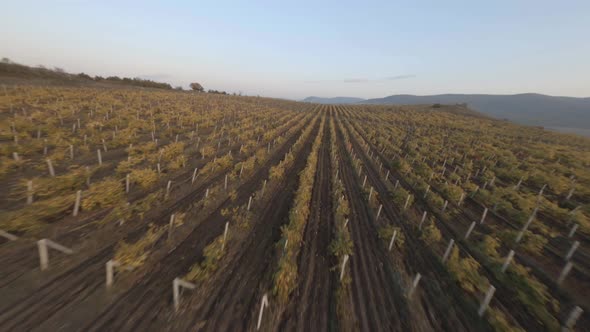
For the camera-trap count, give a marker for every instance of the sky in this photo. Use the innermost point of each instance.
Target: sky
(295, 49)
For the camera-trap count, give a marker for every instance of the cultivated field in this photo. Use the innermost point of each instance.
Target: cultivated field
(127, 209)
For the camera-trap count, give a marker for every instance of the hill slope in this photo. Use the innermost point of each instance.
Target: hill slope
(334, 100)
(529, 108)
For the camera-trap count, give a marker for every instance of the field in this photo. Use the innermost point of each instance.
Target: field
(128, 209)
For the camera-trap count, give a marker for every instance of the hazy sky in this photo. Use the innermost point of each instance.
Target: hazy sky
(323, 48)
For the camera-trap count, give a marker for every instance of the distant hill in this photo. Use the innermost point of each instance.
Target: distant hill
(557, 113)
(334, 100)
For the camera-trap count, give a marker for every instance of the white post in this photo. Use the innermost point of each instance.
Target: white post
(422, 221)
(241, 170)
(77, 203)
(194, 175)
(407, 202)
(176, 284)
(225, 235)
(461, 199)
(445, 206)
(392, 239)
(448, 251)
(343, 266)
(518, 184)
(570, 253)
(370, 194)
(263, 188)
(570, 193)
(8, 236)
(379, 211)
(486, 300)
(225, 185)
(427, 190)
(207, 193)
(127, 180)
(526, 226)
(168, 189)
(99, 157)
(572, 318)
(364, 181)
(387, 175)
(50, 166)
(507, 261)
(43, 254)
(396, 184)
(249, 202)
(159, 169)
(414, 284)
(566, 269)
(483, 215)
(110, 271)
(469, 230)
(29, 192)
(263, 305)
(71, 152)
(573, 230)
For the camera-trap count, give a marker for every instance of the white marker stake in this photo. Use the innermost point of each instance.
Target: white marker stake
(461, 199)
(50, 166)
(566, 269)
(44, 254)
(507, 261)
(343, 266)
(98, 154)
(392, 240)
(194, 175)
(526, 225)
(176, 284)
(77, 203)
(427, 190)
(414, 284)
(445, 206)
(8, 236)
(387, 175)
(263, 305)
(364, 181)
(573, 230)
(396, 184)
(370, 194)
(71, 152)
(110, 271)
(29, 192)
(249, 202)
(225, 235)
(127, 182)
(263, 187)
(407, 202)
(159, 169)
(570, 253)
(225, 185)
(483, 215)
(422, 221)
(572, 318)
(448, 251)
(168, 189)
(469, 230)
(486, 300)
(379, 211)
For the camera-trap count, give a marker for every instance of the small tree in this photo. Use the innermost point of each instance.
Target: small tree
(196, 87)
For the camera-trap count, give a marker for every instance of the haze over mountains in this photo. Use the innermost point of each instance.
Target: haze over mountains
(566, 114)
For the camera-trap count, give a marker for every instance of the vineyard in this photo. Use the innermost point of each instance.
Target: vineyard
(127, 209)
